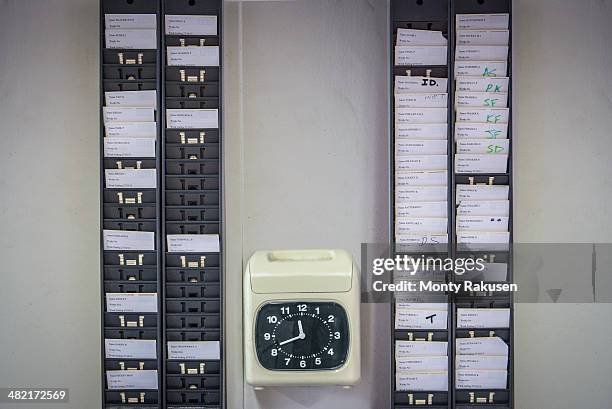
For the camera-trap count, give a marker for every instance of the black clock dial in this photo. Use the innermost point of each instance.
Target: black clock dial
(301, 335)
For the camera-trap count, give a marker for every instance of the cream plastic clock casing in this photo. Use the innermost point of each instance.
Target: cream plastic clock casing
(309, 276)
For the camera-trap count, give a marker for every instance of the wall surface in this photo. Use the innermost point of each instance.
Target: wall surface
(314, 154)
(49, 205)
(563, 100)
(306, 166)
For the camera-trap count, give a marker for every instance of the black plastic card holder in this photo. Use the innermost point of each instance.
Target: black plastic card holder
(420, 15)
(500, 398)
(131, 210)
(191, 204)
(440, 15)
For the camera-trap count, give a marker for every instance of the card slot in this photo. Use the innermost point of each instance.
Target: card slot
(175, 40)
(193, 290)
(187, 167)
(192, 103)
(126, 212)
(192, 198)
(131, 397)
(196, 261)
(408, 335)
(139, 259)
(482, 7)
(179, 275)
(483, 397)
(420, 11)
(199, 397)
(117, 320)
(130, 163)
(180, 368)
(503, 333)
(130, 226)
(410, 398)
(133, 288)
(129, 7)
(440, 71)
(134, 274)
(206, 7)
(193, 321)
(130, 333)
(192, 183)
(188, 382)
(137, 196)
(205, 214)
(129, 57)
(435, 25)
(127, 85)
(191, 137)
(191, 74)
(193, 336)
(186, 90)
(129, 73)
(130, 364)
(207, 151)
(192, 306)
(192, 228)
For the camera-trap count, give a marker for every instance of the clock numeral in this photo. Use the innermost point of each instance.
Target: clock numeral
(267, 336)
(287, 360)
(272, 319)
(317, 361)
(284, 310)
(336, 335)
(302, 307)
(318, 310)
(302, 364)
(330, 318)
(274, 352)
(331, 351)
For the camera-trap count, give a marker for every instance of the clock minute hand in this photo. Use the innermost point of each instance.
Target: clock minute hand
(290, 340)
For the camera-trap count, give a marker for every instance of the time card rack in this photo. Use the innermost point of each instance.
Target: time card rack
(161, 205)
(451, 196)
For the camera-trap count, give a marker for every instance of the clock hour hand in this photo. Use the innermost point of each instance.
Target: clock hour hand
(301, 335)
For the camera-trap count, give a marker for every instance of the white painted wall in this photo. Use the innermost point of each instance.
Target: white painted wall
(332, 151)
(314, 153)
(563, 99)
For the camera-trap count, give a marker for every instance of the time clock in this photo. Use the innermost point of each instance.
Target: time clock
(301, 335)
(301, 318)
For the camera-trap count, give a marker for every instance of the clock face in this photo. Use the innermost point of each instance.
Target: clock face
(301, 336)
